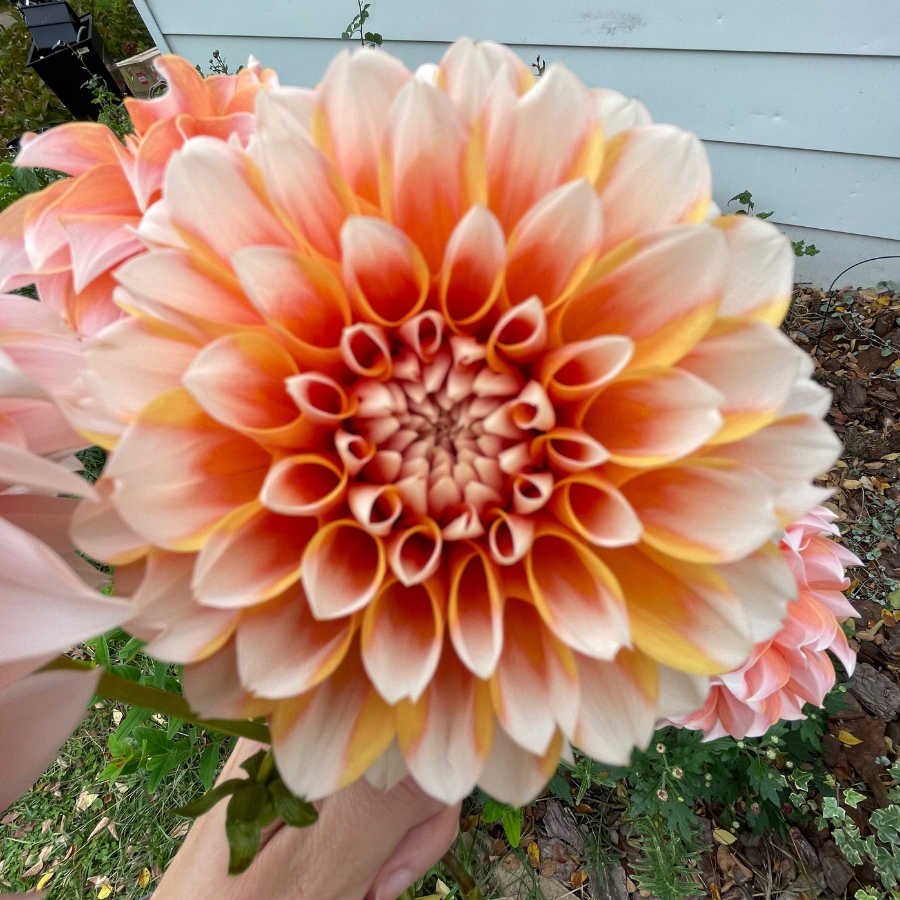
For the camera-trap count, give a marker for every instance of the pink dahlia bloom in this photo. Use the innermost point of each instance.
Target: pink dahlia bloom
(448, 426)
(48, 600)
(793, 667)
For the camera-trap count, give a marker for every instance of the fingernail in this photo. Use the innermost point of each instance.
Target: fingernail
(394, 885)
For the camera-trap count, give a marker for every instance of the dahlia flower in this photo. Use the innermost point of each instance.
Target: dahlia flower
(48, 600)
(449, 424)
(793, 667)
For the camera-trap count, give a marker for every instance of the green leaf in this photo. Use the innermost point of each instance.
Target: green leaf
(831, 809)
(293, 810)
(6, 170)
(26, 179)
(559, 787)
(205, 803)
(209, 763)
(134, 717)
(243, 843)
(512, 825)
(165, 765)
(160, 670)
(252, 764)
(492, 811)
(850, 844)
(887, 823)
(246, 803)
(131, 649)
(173, 727)
(101, 652)
(853, 798)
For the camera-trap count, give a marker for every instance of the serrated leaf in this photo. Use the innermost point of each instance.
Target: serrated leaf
(296, 812)
(209, 763)
(26, 179)
(243, 844)
(205, 803)
(723, 836)
(846, 738)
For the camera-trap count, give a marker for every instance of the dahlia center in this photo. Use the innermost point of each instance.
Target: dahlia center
(445, 435)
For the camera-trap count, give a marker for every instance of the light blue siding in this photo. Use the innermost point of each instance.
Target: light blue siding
(797, 101)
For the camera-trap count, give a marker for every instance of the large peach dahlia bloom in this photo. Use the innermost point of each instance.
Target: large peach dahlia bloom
(793, 667)
(448, 424)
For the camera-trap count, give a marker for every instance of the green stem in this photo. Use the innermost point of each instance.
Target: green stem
(468, 886)
(123, 690)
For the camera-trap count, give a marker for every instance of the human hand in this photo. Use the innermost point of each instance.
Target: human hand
(367, 845)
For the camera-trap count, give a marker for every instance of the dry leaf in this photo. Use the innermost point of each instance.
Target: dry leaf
(99, 827)
(144, 878)
(723, 837)
(117, 716)
(851, 484)
(846, 738)
(511, 863)
(44, 880)
(630, 885)
(104, 892)
(442, 889)
(85, 800)
(34, 870)
(578, 878)
(8, 819)
(534, 854)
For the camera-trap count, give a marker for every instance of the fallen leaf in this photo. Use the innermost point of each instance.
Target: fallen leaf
(578, 878)
(891, 457)
(442, 889)
(34, 870)
(99, 827)
(534, 854)
(104, 892)
(722, 836)
(117, 717)
(144, 878)
(851, 484)
(44, 879)
(511, 863)
(6, 820)
(630, 885)
(846, 738)
(111, 828)
(85, 800)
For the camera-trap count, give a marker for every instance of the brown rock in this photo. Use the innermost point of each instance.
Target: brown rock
(837, 871)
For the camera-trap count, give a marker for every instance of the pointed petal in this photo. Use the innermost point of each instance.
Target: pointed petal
(596, 511)
(581, 368)
(664, 296)
(577, 596)
(514, 776)
(653, 176)
(343, 724)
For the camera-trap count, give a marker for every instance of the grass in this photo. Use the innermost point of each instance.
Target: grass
(123, 838)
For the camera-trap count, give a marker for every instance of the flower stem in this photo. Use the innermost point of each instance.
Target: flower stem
(468, 887)
(168, 703)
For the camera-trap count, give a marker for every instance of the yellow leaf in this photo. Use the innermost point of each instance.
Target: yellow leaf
(723, 837)
(534, 854)
(104, 892)
(44, 880)
(851, 484)
(578, 878)
(144, 878)
(891, 457)
(846, 738)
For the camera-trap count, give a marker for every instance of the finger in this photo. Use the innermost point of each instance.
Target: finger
(421, 847)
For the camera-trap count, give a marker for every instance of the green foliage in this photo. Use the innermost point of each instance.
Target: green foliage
(112, 110)
(745, 199)
(368, 38)
(663, 869)
(17, 181)
(255, 801)
(26, 103)
(510, 817)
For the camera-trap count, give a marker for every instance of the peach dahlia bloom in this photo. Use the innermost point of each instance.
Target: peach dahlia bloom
(67, 239)
(448, 426)
(793, 667)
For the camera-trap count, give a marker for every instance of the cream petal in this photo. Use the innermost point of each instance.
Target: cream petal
(618, 112)
(625, 691)
(343, 724)
(333, 589)
(653, 416)
(45, 606)
(283, 651)
(475, 610)
(403, 623)
(308, 484)
(352, 114)
(579, 369)
(177, 506)
(576, 595)
(596, 511)
(760, 269)
(253, 555)
(37, 715)
(446, 735)
(99, 531)
(663, 296)
(514, 776)
(704, 514)
(653, 176)
(554, 244)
